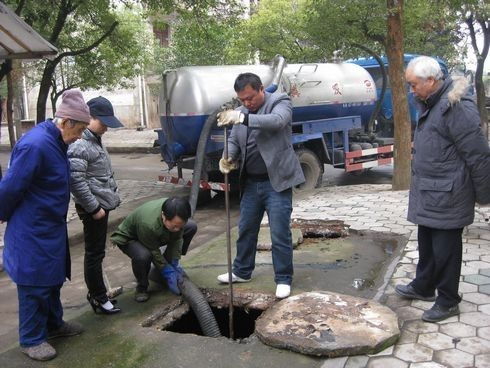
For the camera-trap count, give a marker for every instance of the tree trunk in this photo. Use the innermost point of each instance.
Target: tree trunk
(10, 115)
(394, 51)
(480, 96)
(44, 88)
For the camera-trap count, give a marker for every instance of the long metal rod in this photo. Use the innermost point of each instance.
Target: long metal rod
(228, 239)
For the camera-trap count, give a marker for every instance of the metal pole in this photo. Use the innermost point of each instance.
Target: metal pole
(228, 239)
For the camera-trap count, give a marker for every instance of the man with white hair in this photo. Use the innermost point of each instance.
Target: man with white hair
(34, 194)
(450, 172)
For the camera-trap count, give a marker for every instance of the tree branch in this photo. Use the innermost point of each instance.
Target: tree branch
(88, 48)
(372, 37)
(5, 68)
(66, 8)
(469, 23)
(486, 37)
(19, 8)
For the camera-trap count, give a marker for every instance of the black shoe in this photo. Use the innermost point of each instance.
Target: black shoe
(407, 291)
(141, 294)
(97, 305)
(67, 329)
(439, 313)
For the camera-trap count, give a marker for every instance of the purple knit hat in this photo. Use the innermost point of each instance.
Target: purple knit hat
(73, 107)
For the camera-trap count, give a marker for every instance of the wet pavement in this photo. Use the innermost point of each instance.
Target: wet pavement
(462, 341)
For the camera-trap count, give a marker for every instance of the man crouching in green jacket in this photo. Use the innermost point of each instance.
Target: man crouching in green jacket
(148, 228)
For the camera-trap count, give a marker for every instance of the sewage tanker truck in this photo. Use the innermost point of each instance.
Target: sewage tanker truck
(333, 104)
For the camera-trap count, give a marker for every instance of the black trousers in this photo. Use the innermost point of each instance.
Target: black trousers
(95, 234)
(141, 257)
(439, 267)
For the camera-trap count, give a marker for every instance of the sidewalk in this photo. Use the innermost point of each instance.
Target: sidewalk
(116, 140)
(461, 341)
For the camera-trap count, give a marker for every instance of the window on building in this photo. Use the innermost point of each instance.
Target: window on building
(161, 32)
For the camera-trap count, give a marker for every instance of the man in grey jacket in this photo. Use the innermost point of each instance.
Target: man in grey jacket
(450, 171)
(95, 193)
(260, 142)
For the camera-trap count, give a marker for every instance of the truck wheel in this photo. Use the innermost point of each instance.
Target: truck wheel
(312, 169)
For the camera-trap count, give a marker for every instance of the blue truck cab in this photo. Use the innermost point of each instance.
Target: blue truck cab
(373, 67)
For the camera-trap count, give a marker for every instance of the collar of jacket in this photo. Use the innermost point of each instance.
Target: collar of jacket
(91, 136)
(56, 133)
(436, 96)
(453, 88)
(266, 97)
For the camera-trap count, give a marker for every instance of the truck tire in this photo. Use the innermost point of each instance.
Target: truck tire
(312, 169)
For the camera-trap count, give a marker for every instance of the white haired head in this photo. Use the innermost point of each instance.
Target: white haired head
(425, 67)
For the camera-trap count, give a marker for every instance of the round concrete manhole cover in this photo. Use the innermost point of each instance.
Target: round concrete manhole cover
(328, 324)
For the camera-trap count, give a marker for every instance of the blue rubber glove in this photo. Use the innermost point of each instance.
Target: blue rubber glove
(178, 268)
(172, 276)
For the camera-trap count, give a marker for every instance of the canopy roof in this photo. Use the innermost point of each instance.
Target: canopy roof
(18, 40)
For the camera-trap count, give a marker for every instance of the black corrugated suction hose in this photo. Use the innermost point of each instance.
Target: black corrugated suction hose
(199, 160)
(201, 308)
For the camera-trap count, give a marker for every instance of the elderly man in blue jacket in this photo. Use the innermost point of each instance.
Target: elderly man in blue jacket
(450, 172)
(34, 194)
(269, 168)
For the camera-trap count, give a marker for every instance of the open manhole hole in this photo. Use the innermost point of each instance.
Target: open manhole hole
(243, 322)
(178, 317)
(321, 228)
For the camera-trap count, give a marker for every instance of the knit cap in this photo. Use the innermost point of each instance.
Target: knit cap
(73, 107)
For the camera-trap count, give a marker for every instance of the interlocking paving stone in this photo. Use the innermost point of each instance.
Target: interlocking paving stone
(477, 319)
(485, 272)
(449, 320)
(477, 279)
(420, 327)
(477, 298)
(407, 337)
(485, 308)
(474, 345)
(458, 329)
(468, 270)
(421, 304)
(394, 302)
(335, 363)
(453, 358)
(385, 362)
(413, 254)
(470, 257)
(476, 249)
(413, 352)
(483, 332)
(465, 287)
(478, 264)
(427, 365)
(387, 351)
(465, 307)
(484, 289)
(482, 361)
(359, 361)
(409, 313)
(436, 341)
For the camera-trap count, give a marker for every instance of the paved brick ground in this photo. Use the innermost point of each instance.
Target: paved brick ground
(461, 341)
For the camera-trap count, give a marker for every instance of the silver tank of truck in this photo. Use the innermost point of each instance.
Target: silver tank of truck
(199, 90)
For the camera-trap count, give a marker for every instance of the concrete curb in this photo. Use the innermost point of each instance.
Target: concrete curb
(110, 149)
